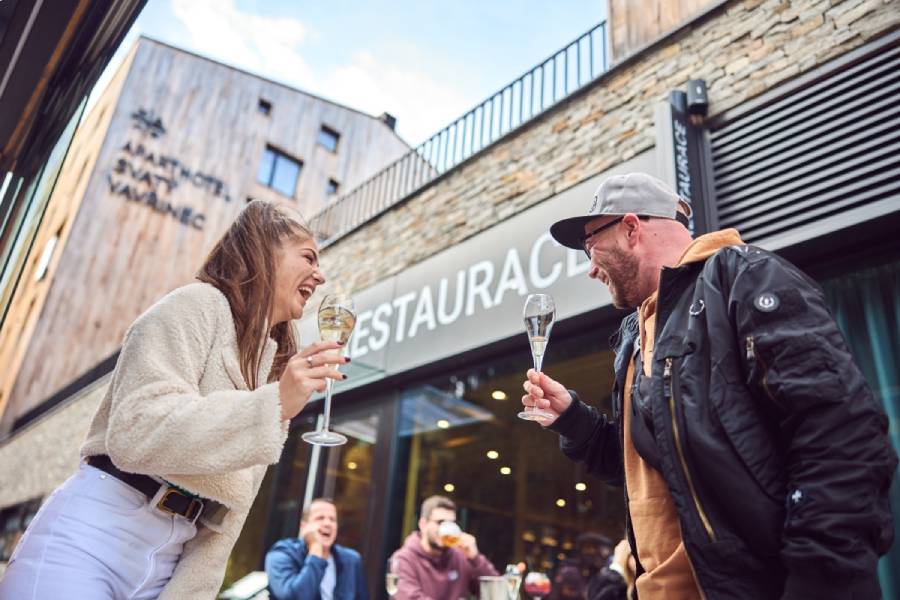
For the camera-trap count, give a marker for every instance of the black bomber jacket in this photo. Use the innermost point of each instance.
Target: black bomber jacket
(771, 443)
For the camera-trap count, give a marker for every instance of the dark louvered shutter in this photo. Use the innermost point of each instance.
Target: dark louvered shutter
(822, 146)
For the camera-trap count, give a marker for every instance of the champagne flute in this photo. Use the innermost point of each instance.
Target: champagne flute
(538, 314)
(337, 316)
(391, 579)
(513, 580)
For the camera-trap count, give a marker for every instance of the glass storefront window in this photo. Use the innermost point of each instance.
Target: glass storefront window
(515, 491)
(22, 214)
(275, 513)
(865, 301)
(348, 475)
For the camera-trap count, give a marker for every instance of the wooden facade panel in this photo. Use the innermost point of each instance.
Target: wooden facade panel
(173, 168)
(636, 23)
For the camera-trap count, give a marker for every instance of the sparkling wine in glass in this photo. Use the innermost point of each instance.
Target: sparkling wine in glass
(513, 580)
(337, 316)
(538, 314)
(391, 580)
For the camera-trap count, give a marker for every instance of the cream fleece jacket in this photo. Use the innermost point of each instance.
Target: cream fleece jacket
(178, 408)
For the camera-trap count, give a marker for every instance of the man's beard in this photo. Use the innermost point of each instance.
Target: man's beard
(622, 273)
(435, 542)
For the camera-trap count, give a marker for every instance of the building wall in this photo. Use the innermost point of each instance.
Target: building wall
(122, 253)
(53, 443)
(635, 23)
(741, 49)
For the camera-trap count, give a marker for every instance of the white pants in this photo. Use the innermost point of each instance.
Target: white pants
(96, 538)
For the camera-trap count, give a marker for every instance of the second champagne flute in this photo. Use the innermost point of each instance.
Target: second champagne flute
(337, 317)
(538, 314)
(391, 579)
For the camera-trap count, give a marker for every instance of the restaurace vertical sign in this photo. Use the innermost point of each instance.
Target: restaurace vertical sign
(690, 159)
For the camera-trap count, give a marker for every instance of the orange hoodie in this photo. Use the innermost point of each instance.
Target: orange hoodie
(668, 574)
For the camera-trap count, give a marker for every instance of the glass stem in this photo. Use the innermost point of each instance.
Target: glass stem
(538, 360)
(329, 382)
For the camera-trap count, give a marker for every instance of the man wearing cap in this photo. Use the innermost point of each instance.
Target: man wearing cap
(754, 457)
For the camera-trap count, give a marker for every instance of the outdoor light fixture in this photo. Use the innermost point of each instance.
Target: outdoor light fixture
(493, 454)
(697, 100)
(499, 395)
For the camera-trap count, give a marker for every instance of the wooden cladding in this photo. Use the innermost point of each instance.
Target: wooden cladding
(636, 23)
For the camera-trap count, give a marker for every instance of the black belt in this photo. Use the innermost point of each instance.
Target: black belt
(173, 500)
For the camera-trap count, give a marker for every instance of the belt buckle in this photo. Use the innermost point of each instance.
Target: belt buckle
(193, 510)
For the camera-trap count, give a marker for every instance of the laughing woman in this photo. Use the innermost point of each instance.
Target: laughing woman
(199, 403)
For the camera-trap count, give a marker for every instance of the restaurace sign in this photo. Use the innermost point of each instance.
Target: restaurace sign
(480, 286)
(144, 175)
(471, 294)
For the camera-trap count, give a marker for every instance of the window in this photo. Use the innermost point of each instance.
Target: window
(279, 172)
(13, 522)
(332, 188)
(275, 513)
(522, 499)
(44, 263)
(264, 107)
(328, 138)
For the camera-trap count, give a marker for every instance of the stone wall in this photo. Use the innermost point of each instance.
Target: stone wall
(44, 454)
(741, 49)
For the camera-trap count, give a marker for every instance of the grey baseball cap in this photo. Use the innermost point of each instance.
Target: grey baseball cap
(619, 195)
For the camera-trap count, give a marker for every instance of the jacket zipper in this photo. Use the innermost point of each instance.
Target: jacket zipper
(753, 356)
(670, 396)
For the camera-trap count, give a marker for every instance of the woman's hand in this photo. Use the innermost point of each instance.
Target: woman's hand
(306, 373)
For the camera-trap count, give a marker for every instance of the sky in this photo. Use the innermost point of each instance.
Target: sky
(426, 62)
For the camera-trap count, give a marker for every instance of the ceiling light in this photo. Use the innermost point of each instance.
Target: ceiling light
(493, 454)
(449, 487)
(580, 486)
(505, 470)
(352, 465)
(499, 395)
(443, 424)
(560, 502)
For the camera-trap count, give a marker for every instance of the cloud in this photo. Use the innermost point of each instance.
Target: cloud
(273, 47)
(421, 103)
(265, 45)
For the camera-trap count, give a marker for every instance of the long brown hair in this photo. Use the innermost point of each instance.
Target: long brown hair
(242, 267)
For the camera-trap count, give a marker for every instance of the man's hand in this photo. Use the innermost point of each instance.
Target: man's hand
(468, 546)
(545, 393)
(621, 554)
(316, 543)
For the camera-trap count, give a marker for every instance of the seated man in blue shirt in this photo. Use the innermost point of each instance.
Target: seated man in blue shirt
(313, 567)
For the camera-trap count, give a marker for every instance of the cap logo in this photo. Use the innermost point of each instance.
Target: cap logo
(594, 204)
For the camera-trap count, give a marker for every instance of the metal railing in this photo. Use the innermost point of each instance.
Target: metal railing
(538, 89)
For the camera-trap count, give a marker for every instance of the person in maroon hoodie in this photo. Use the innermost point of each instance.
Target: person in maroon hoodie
(427, 569)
